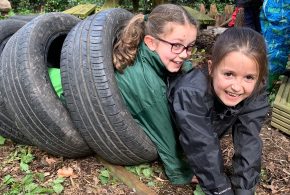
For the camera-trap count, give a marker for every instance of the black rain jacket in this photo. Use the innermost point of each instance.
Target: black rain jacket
(203, 119)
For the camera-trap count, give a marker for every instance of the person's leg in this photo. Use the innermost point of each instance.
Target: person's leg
(256, 18)
(249, 20)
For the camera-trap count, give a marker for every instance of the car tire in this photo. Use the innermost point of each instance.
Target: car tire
(7, 127)
(28, 92)
(92, 95)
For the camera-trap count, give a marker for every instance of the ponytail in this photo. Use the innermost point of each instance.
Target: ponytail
(124, 51)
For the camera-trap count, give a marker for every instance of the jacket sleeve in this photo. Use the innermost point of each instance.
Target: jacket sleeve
(248, 145)
(199, 141)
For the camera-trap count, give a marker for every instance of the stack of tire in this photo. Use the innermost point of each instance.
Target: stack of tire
(94, 118)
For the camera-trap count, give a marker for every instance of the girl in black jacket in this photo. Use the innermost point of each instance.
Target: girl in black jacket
(229, 94)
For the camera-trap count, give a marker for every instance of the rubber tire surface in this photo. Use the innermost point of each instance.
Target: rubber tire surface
(7, 29)
(7, 127)
(26, 18)
(27, 89)
(92, 94)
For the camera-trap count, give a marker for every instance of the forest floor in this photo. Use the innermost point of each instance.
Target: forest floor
(86, 173)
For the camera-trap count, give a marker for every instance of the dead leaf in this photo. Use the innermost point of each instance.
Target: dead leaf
(50, 161)
(96, 181)
(46, 174)
(288, 157)
(271, 167)
(66, 172)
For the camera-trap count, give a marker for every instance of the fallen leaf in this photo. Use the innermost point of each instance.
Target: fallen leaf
(159, 179)
(288, 157)
(96, 181)
(271, 167)
(50, 161)
(46, 174)
(65, 172)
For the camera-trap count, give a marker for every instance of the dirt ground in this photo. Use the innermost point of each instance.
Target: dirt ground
(275, 177)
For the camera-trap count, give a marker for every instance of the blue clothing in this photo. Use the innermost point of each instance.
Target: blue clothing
(275, 23)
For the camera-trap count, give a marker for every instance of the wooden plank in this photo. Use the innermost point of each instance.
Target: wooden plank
(82, 10)
(72, 10)
(281, 122)
(280, 127)
(281, 107)
(284, 108)
(282, 99)
(280, 112)
(128, 178)
(85, 10)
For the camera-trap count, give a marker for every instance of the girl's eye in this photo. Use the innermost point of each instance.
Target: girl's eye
(250, 77)
(177, 45)
(228, 74)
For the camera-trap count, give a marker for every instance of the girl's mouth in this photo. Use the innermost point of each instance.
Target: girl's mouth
(232, 94)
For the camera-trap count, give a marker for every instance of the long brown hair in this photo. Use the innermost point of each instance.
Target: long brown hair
(125, 49)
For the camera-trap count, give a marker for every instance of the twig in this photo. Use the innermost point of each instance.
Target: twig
(284, 178)
(226, 22)
(280, 160)
(284, 170)
(277, 144)
(72, 181)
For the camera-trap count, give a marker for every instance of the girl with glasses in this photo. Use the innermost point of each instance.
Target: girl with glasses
(150, 48)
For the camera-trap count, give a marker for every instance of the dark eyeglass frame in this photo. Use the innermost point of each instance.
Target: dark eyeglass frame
(188, 48)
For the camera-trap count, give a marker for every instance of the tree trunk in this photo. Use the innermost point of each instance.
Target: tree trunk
(135, 5)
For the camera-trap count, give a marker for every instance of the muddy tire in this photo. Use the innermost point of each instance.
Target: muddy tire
(7, 29)
(27, 90)
(92, 94)
(7, 127)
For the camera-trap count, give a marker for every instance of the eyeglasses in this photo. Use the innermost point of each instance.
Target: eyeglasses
(178, 48)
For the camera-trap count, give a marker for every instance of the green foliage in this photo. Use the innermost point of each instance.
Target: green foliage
(144, 172)
(264, 175)
(25, 158)
(198, 190)
(57, 185)
(36, 6)
(104, 176)
(2, 140)
(28, 183)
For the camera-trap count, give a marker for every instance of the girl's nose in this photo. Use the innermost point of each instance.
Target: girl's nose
(184, 54)
(236, 86)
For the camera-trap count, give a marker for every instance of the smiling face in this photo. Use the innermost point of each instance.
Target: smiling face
(235, 78)
(182, 34)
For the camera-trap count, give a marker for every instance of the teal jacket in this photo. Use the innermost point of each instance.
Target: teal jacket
(143, 87)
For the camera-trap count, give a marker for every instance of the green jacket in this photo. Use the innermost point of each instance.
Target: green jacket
(143, 89)
(55, 79)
